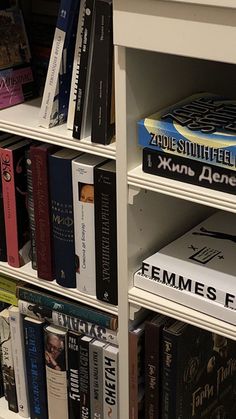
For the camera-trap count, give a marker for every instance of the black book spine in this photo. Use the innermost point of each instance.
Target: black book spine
(60, 178)
(106, 235)
(3, 246)
(102, 126)
(169, 375)
(82, 71)
(73, 340)
(31, 209)
(84, 377)
(190, 171)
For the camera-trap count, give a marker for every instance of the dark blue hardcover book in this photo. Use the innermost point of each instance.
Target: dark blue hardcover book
(35, 365)
(60, 175)
(73, 342)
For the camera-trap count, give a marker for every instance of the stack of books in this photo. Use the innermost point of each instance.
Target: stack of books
(192, 141)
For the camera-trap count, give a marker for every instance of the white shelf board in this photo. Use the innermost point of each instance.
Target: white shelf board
(27, 274)
(180, 312)
(5, 413)
(218, 3)
(23, 120)
(180, 28)
(194, 193)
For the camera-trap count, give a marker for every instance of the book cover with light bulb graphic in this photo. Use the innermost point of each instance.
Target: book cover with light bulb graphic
(201, 127)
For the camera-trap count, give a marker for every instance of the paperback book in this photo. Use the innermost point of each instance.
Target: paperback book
(110, 382)
(201, 127)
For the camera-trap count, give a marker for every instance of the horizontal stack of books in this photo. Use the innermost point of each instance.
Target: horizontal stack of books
(192, 141)
(58, 210)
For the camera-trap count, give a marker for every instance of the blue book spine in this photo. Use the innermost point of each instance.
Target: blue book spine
(60, 176)
(35, 365)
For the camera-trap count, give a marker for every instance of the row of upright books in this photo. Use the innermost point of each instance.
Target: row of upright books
(79, 85)
(58, 209)
(192, 141)
(55, 364)
(177, 370)
(197, 269)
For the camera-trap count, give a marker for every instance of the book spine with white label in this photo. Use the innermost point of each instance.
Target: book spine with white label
(68, 322)
(110, 382)
(9, 381)
(84, 377)
(84, 221)
(18, 354)
(96, 381)
(186, 297)
(56, 372)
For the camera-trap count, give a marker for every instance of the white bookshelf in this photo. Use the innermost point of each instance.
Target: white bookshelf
(164, 50)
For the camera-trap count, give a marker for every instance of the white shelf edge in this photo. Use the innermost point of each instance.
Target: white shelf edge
(193, 193)
(219, 3)
(5, 413)
(181, 312)
(27, 274)
(22, 120)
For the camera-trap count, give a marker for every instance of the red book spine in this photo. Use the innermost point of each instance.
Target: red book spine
(9, 203)
(43, 227)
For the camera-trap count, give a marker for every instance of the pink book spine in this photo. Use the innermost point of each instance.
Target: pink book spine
(9, 203)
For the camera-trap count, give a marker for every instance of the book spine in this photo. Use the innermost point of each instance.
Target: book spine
(9, 202)
(19, 361)
(133, 376)
(43, 224)
(46, 111)
(110, 383)
(8, 284)
(102, 131)
(169, 376)
(96, 380)
(35, 368)
(84, 227)
(31, 209)
(7, 365)
(73, 323)
(82, 69)
(152, 371)
(8, 297)
(73, 342)
(190, 171)
(77, 55)
(62, 221)
(185, 297)
(105, 235)
(56, 375)
(84, 377)
(75, 310)
(3, 245)
(17, 85)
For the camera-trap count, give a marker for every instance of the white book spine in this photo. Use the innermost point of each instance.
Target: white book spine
(184, 297)
(110, 382)
(96, 380)
(18, 352)
(84, 225)
(52, 79)
(76, 63)
(73, 323)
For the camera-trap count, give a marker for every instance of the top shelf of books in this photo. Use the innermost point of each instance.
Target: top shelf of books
(200, 30)
(22, 120)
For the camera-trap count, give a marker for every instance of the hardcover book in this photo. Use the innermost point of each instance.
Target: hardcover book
(84, 221)
(198, 379)
(200, 127)
(84, 377)
(60, 178)
(33, 255)
(8, 371)
(14, 186)
(72, 308)
(16, 77)
(201, 261)
(68, 322)
(73, 342)
(83, 108)
(110, 382)
(103, 119)
(96, 348)
(42, 209)
(55, 101)
(195, 172)
(106, 232)
(35, 367)
(55, 345)
(18, 354)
